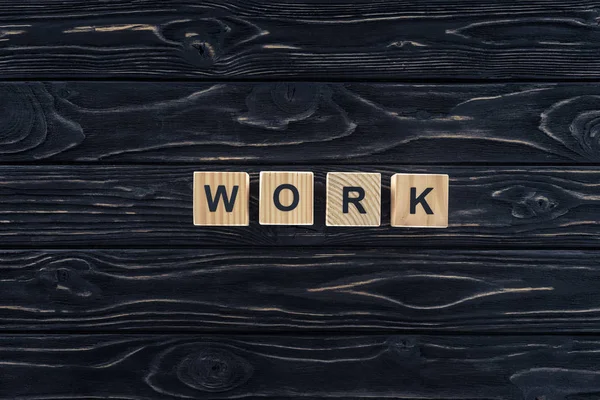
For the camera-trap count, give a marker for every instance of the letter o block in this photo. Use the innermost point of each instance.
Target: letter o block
(221, 198)
(286, 198)
(353, 199)
(419, 200)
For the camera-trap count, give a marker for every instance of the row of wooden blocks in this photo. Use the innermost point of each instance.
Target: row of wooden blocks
(353, 199)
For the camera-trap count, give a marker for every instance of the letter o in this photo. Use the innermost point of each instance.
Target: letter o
(277, 193)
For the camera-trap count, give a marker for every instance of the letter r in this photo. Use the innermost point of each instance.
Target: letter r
(346, 199)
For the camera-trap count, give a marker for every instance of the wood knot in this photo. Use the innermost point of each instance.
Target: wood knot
(575, 122)
(295, 98)
(527, 202)
(404, 347)
(275, 106)
(214, 370)
(30, 123)
(201, 51)
(205, 40)
(65, 277)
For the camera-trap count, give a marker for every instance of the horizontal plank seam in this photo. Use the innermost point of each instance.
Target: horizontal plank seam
(432, 81)
(277, 164)
(283, 333)
(354, 247)
(296, 248)
(342, 163)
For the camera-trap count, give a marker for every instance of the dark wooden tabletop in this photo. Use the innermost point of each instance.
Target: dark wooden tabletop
(108, 290)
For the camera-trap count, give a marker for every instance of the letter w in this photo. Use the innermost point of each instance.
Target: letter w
(213, 203)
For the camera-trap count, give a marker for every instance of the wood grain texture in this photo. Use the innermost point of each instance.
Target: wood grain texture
(125, 122)
(286, 198)
(353, 199)
(299, 290)
(228, 367)
(221, 198)
(152, 206)
(427, 207)
(316, 39)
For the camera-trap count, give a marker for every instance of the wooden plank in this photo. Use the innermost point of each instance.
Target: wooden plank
(298, 122)
(224, 367)
(314, 39)
(299, 290)
(151, 206)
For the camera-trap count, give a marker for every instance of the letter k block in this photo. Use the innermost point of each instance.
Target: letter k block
(419, 200)
(221, 198)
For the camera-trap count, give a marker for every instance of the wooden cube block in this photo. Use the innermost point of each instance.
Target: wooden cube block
(353, 199)
(420, 200)
(286, 198)
(221, 198)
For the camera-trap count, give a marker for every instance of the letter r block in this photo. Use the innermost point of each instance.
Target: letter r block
(221, 198)
(419, 200)
(286, 198)
(353, 199)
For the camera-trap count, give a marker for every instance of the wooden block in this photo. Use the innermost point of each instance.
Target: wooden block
(353, 199)
(286, 198)
(420, 200)
(221, 198)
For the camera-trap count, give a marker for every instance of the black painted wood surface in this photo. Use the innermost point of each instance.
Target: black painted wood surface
(299, 290)
(315, 39)
(107, 107)
(352, 367)
(148, 206)
(285, 122)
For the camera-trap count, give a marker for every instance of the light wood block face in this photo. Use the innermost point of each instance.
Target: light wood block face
(286, 198)
(419, 200)
(221, 198)
(353, 199)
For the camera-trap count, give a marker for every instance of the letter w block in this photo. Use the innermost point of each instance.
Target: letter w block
(221, 198)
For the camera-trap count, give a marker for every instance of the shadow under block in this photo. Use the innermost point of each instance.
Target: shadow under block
(286, 198)
(221, 198)
(419, 200)
(353, 199)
